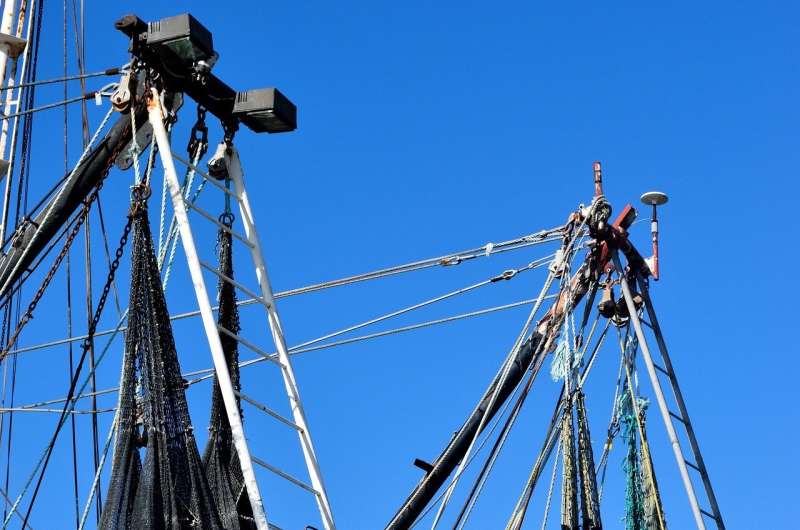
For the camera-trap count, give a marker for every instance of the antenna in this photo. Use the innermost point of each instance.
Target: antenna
(654, 199)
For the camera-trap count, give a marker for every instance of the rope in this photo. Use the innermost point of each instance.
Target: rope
(506, 367)
(613, 428)
(550, 489)
(490, 432)
(483, 476)
(308, 345)
(96, 481)
(645, 447)
(162, 213)
(134, 150)
(249, 301)
(107, 72)
(61, 192)
(69, 288)
(173, 228)
(109, 438)
(295, 351)
(553, 432)
(70, 401)
(505, 371)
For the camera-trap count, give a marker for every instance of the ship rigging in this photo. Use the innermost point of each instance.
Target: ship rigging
(148, 470)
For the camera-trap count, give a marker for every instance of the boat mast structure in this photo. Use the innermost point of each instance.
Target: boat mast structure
(172, 61)
(608, 241)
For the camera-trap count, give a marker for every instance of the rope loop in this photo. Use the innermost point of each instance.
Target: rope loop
(505, 275)
(452, 260)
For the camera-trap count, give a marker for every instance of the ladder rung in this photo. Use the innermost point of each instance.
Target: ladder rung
(250, 345)
(285, 475)
(707, 514)
(679, 418)
(645, 322)
(693, 466)
(15, 45)
(211, 180)
(660, 369)
(233, 282)
(216, 222)
(269, 411)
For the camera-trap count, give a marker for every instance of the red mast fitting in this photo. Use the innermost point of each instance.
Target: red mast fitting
(598, 179)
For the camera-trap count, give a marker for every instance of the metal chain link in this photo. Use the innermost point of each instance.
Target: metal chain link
(140, 195)
(198, 139)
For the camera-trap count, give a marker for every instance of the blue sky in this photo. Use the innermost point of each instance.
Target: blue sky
(426, 128)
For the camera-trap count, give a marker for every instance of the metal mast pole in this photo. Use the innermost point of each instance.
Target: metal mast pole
(237, 176)
(662, 403)
(5, 29)
(209, 323)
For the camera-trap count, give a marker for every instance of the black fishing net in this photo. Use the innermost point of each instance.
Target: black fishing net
(220, 458)
(569, 478)
(168, 490)
(590, 500)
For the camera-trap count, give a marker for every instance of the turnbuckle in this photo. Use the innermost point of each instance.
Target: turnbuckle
(506, 275)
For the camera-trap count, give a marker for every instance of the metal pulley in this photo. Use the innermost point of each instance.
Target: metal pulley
(622, 308)
(121, 98)
(217, 166)
(607, 306)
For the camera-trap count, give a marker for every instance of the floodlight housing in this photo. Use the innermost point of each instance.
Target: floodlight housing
(265, 110)
(181, 51)
(186, 39)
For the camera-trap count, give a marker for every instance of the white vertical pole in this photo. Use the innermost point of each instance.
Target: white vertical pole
(662, 403)
(5, 27)
(11, 98)
(210, 325)
(236, 174)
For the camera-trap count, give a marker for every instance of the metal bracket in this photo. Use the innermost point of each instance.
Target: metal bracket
(14, 45)
(144, 134)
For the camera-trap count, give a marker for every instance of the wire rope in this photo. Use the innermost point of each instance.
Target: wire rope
(76, 77)
(567, 257)
(245, 302)
(296, 350)
(66, 183)
(550, 489)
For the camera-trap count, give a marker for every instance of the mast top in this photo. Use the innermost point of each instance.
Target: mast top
(654, 198)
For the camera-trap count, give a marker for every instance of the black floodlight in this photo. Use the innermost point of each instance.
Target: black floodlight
(181, 51)
(265, 110)
(187, 40)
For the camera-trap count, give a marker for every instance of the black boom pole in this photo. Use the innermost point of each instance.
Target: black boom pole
(25, 247)
(444, 465)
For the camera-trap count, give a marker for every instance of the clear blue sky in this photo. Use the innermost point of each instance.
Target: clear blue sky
(428, 127)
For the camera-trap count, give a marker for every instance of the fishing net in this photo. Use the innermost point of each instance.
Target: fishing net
(167, 490)
(634, 502)
(590, 502)
(569, 478)
(220, 458)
